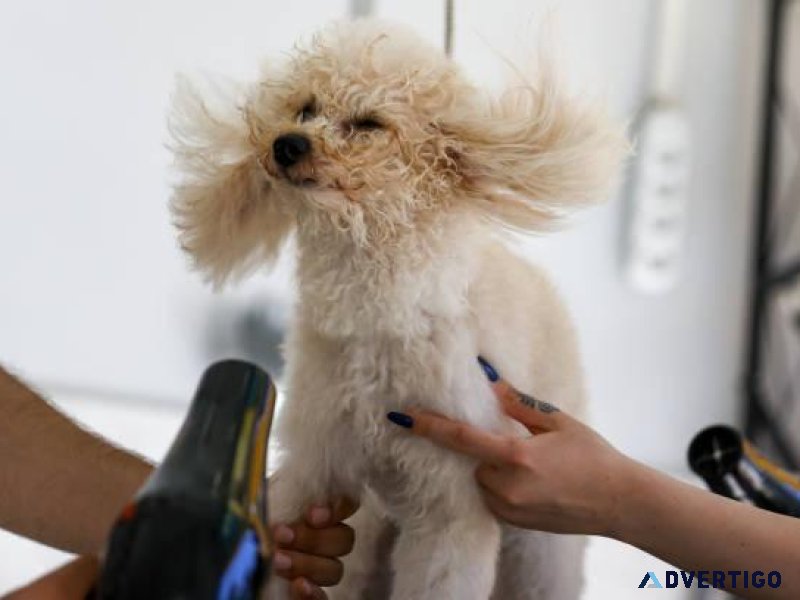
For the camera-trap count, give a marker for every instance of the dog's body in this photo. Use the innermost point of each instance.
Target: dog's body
(394, 173)
(414, 342)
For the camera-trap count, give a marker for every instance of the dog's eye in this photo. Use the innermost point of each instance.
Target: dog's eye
(366, 124)
(308, 112)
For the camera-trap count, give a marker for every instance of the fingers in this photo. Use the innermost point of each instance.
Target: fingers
(302, 589)
(319, 570)
(330, 542)
(536, 415)
(308, 550)
(341, 509)
(322, 532)
(324, 515)
(463, 438)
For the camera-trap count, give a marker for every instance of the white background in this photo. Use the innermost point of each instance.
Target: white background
(98, 306)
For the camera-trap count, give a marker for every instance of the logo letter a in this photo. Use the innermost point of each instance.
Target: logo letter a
(654, 582)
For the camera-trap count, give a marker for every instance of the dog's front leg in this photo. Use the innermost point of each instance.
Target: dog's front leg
(300, 482)
(292, 489)
(320, 462)
(448, 559)
(367, 572)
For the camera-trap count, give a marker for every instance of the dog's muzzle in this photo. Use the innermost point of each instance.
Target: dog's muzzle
(290, 148)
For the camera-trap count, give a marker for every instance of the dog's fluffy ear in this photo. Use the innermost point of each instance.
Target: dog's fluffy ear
(229, 219)
(531, 155)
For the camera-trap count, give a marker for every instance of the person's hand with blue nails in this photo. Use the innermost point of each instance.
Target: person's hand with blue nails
(564, 477)
(525, 480)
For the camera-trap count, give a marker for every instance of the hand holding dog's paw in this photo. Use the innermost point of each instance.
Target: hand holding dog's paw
(308, 550)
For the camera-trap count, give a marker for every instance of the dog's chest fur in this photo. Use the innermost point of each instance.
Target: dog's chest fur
(437, 371)
(396, 331)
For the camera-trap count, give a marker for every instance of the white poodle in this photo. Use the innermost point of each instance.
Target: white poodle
(397, 177)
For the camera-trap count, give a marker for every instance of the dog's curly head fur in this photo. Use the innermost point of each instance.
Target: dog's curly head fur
(368, 132)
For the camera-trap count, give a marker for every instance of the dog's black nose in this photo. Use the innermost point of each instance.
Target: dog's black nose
(290, 148)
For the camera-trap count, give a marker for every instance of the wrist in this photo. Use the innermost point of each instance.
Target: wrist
(629, 482)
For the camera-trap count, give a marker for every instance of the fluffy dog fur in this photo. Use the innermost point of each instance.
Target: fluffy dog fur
(403, 281)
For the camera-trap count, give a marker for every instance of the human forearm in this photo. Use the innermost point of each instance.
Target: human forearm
(697, 530)
(59, 484)
(565, 478)
(69, 582)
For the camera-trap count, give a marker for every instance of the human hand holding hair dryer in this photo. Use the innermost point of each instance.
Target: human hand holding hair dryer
(92, 480)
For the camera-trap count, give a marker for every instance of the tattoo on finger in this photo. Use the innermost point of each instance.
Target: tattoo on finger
(535, 404)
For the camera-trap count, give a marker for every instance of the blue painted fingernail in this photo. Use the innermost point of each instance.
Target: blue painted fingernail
(401, 419)
(488, 369)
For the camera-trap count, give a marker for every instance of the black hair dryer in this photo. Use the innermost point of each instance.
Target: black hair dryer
(197, 529)
(732, 466)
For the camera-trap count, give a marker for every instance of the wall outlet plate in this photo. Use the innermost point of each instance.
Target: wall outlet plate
(658, 200)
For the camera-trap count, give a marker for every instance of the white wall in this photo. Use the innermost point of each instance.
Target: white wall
(659, 367)
(94, 290)
(95, 293)
(95, 296)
